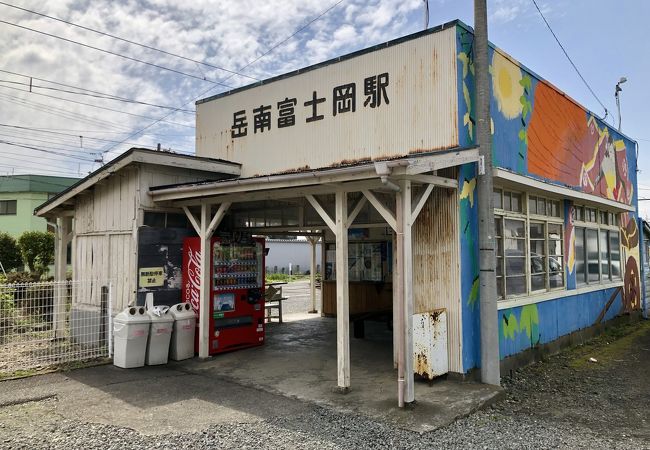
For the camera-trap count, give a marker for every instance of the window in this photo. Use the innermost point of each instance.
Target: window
(508, 201)
(165, 220)
(8, 207)
(597, 248)
(529, 244)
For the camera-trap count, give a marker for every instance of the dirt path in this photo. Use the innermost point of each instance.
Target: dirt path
(610, 396)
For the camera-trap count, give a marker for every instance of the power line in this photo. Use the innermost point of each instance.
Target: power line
(130, 41)
(157, 66)
(88, 92)
(77, 102)
(16, 144)
(45, 141)
(38, 130)
(290, 36)
(59, 112)
(273, 47)
(569, 58)
(32, 170)
(73, 115)
(39, 162)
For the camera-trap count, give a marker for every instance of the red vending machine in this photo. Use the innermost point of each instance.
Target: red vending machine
(236, 290)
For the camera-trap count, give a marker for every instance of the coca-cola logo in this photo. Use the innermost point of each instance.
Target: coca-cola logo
(193, 285)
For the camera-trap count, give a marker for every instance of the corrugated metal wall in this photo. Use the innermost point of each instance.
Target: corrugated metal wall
(421, 114)
(436, 268)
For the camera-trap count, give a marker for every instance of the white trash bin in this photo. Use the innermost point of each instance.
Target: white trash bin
(182, 346)
(160, 335)
(130, 332)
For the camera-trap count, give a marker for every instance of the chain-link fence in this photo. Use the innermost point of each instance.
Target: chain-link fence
(54, 323)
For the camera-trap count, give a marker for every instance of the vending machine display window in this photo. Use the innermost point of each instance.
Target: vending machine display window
(224, 302)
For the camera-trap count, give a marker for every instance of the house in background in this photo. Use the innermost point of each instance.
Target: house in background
(293, 255)
(20, 195)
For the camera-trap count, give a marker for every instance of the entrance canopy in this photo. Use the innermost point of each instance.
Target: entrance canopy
(388, 193)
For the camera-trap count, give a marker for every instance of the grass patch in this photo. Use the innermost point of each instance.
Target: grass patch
(610, 347)
(284, 278)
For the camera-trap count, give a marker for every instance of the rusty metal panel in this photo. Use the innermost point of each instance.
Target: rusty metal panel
(436, 266)
(414, 111)
(430, 358)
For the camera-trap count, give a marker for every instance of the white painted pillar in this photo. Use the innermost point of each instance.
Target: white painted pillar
(62, 238)
(408, 291)
(398, 325)
(312, 273)
(406, 390)
(396, 297)
(204, 298)
(342, 293)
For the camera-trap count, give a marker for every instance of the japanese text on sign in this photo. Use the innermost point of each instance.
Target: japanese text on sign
(343, 100)
(152, 277)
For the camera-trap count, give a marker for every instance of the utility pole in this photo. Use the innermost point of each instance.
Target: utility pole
(487, 258)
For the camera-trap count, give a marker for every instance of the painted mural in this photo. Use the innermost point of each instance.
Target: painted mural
(468, 213)
(539, 132)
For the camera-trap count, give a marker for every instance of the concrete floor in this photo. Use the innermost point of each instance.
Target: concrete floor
(299, 361)
(295, 369)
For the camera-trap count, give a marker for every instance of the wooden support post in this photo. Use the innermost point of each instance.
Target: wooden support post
(206, 229)
(342, 293)
(406, 389)
(396, 288)
(62, 237)
(398, 325)
(408, 291)
(323, 269)
(312, 273)
(204, 299)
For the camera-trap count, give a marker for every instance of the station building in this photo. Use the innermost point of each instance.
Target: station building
(375, 152)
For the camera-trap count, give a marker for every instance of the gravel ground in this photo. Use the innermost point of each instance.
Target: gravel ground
(564, 402)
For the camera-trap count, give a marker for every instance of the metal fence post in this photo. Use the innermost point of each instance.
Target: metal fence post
(110, 319)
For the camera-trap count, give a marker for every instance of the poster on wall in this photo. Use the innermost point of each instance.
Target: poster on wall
(160, 257)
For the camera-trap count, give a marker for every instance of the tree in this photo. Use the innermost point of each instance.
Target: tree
(9, 253)
(37, 248)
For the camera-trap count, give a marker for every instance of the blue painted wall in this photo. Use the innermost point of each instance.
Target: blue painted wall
(539, 132)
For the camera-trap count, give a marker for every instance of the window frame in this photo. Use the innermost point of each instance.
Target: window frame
(549, 203)
(7, 210)
(612, 220)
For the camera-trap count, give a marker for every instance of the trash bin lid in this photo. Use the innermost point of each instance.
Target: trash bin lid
(182, 311)
(133, 314)
(160, 314)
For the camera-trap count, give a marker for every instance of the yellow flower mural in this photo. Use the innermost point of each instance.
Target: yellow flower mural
(506, 85)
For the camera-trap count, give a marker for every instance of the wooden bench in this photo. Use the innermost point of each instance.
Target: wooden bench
(273, 301)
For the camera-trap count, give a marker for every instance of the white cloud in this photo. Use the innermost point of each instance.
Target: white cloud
(224, 33)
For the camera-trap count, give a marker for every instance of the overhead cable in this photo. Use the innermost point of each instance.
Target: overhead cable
(569, 58)
(204, 63)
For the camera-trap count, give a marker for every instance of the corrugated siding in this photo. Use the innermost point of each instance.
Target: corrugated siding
(436, 268)
(421, 114)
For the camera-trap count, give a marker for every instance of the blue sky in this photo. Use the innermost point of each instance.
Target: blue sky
(605, 42)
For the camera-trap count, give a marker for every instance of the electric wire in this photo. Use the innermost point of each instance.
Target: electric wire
(87, 92)
(86, 150)
(38, 162)
(81, 103)
(16, 144)
(203, 93)
(59, 112)
(33, 171)
(92, 47)
(129, 41)
(68, 135)
(569, 58)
